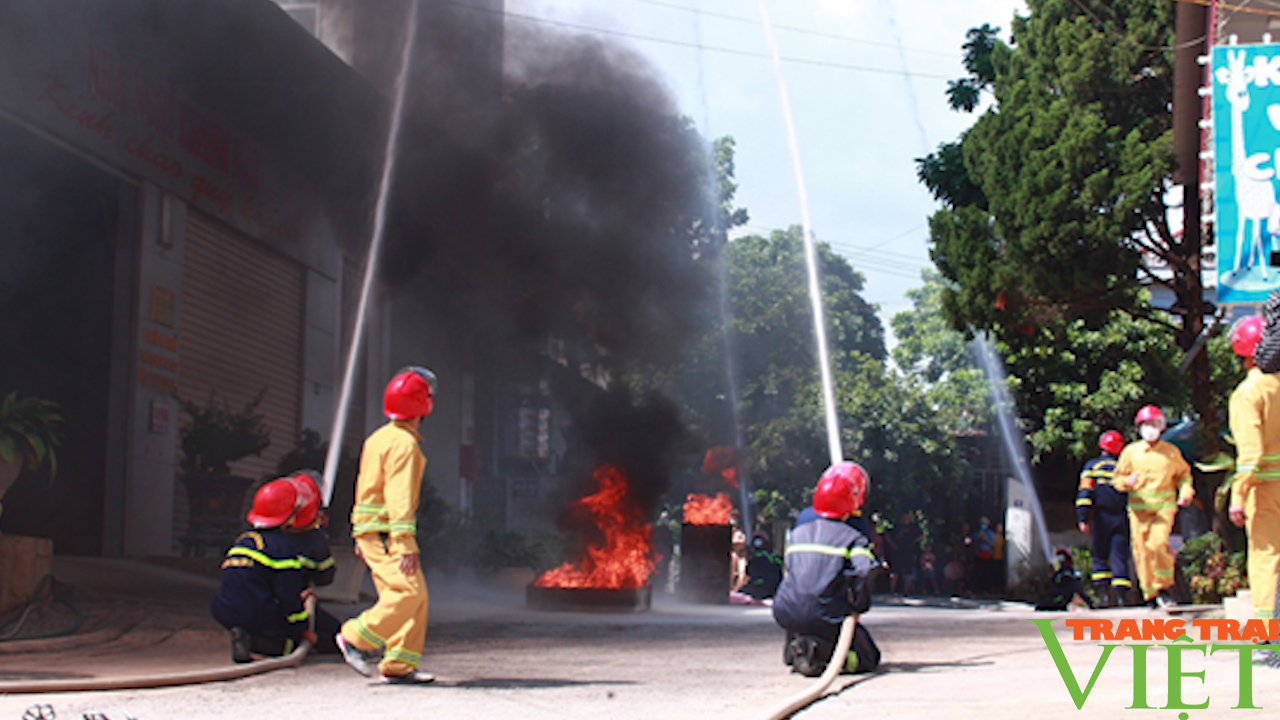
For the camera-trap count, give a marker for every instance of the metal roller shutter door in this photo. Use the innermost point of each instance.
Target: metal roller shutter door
(242, 318)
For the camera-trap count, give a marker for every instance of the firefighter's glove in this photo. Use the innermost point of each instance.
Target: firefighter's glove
(861, 588)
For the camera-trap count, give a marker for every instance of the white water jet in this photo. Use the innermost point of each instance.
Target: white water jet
(371, 262)
(1010, 436)
(810, 250)
(730, 364)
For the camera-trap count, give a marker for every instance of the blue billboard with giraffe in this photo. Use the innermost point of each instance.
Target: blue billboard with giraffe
(1246, 151)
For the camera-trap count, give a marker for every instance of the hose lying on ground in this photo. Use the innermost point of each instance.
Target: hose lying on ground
(834, 667)
(9, 631)
(190, 677)
(136, 682)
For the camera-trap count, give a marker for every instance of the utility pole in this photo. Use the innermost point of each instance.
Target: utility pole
(1191, 33)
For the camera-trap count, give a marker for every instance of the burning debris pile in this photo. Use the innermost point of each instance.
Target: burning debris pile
(630, 445)
(708, 510)
(624, 559)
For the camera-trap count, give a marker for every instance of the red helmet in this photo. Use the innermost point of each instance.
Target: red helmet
(307, 483)
(1245, 334)
(1111, 441)
(841, 490)
(409, 394)
(1149, 413)
(273, 504)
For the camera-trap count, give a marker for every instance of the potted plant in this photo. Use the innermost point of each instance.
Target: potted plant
(28, 438)
(213, 437)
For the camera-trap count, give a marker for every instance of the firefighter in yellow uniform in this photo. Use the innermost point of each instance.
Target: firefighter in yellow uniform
(1255, 489)
(1158, 481)
(384, 525)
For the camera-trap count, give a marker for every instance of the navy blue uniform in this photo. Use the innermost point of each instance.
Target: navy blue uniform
(318, 569)
(856, 521)
(261, 591)
(829, 572)
(1109, 525)
(314, 554)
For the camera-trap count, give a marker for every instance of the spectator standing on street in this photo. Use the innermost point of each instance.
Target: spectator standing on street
(984, 549)
(904, 554)
(928, 571)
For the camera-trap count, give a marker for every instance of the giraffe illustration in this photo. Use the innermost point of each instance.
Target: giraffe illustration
(1255, 192)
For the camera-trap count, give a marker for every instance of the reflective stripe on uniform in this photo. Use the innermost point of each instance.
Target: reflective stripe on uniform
(1153, 499)
(829, 550)
(1268, 467)
(310, 564)
(261, 559)
(1082, 502)
(369, 635)
(1101, 575)
(405, 656)
(299, 616)
(369, 518)
(372, 526)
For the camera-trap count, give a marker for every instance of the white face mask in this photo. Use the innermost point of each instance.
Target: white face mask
(1149, 432)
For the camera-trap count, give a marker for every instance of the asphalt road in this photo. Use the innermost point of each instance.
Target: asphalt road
(495, 659)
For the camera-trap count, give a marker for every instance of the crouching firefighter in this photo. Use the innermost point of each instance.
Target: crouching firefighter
(830, 572)
(260, 598)
(1109, 525)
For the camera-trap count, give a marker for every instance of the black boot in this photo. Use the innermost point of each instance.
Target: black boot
(240, 641)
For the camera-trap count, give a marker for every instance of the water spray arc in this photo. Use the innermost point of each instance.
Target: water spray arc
(1010, 436)
(371, 263)
(726, 339)
(810, 250)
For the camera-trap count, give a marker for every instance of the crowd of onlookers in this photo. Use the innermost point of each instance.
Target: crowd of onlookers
(922, 562)
(970, 562)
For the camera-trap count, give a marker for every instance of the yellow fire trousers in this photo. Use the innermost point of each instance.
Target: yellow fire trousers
(1262, 523)
(397, 623)
(1149, 533)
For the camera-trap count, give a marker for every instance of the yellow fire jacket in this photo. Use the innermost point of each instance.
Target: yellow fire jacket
(1163, 476)
(1255, 427)
(391, 466)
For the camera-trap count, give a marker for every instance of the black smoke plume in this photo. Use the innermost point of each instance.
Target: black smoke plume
(573, 204)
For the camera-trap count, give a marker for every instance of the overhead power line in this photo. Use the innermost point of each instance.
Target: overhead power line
(870, 259)
(792, 28)
(699, 46)
(1232, 6)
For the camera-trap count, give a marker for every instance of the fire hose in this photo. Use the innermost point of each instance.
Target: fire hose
(190, 677)
(834, 667)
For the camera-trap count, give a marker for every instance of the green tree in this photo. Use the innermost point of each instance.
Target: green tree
(931, 349)
(887, 424)
(771, 322)
(887, 420)
(1055, 214)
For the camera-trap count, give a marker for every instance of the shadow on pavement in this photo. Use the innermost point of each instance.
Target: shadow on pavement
(526, 683)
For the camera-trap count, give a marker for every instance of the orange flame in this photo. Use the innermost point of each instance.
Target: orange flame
(707, 510)
(722, 460)
(624, 560)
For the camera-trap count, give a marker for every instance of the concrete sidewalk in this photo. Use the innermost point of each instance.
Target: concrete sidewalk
(495, 659)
